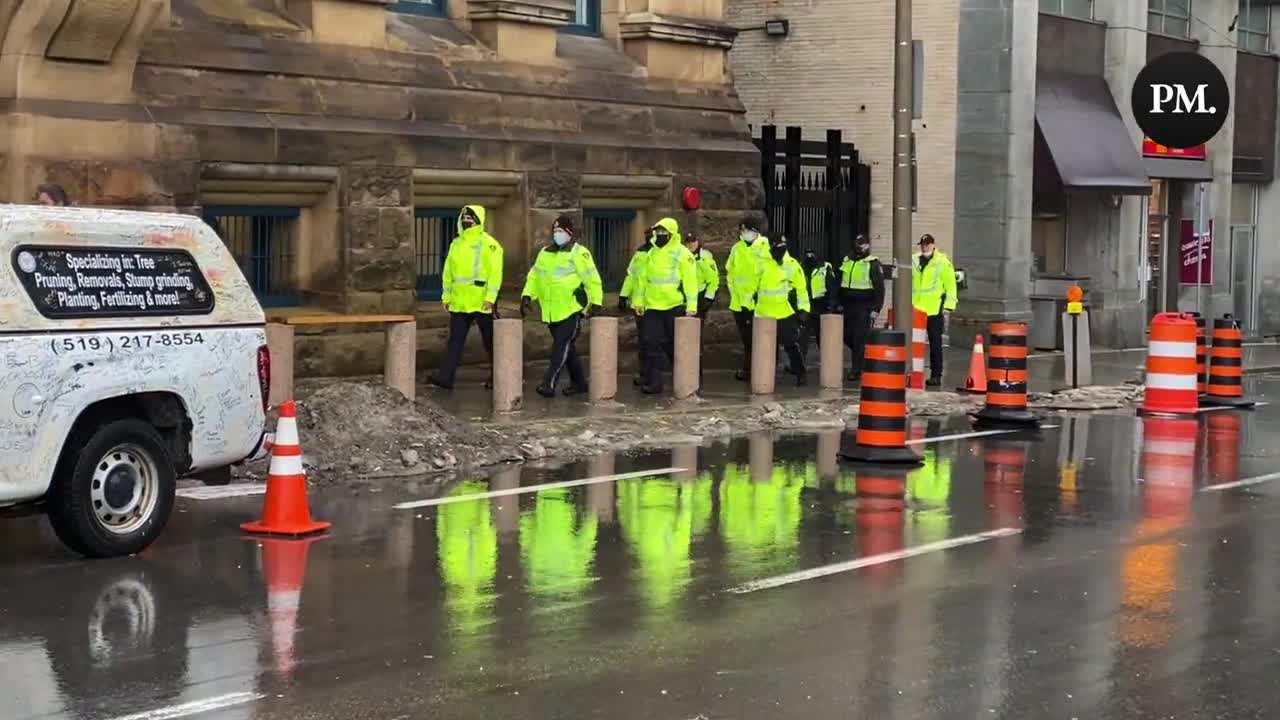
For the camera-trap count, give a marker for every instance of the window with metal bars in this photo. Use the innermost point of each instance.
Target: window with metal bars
(1169, 17)
(262, 240)
(607, 235)
(433, 230)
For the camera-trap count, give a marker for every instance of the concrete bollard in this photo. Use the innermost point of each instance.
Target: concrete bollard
(764, 354)
(685, 457)
(604, 359)
(400, 365)
(508, 365)
(831, 351)
(280, 344)
(688, 349)
(760, 456)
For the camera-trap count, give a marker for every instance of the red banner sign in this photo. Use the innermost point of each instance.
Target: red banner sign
(1197, 255)
(1150, 148)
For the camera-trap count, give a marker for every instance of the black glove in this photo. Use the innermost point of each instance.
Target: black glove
(526, 304)
(622, 304)
(704, 304)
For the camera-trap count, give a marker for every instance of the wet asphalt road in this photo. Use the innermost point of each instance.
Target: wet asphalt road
(700, 593)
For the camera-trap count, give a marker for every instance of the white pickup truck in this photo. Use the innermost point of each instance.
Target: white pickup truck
(132, 352)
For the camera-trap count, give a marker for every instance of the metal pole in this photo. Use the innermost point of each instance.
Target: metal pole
(902, 99)
(1200, 237)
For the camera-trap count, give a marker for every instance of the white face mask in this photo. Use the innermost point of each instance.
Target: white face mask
(927, 253)
(748, 236)
(561, 238)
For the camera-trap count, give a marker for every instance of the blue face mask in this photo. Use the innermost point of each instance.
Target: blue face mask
(560, 238)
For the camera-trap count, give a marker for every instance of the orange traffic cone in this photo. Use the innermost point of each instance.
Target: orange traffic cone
(284, 565)
(976, 383)
(285, 510)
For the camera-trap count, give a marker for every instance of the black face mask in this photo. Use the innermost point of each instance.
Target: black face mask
(861, 252)
(661, 240)
(778, 253)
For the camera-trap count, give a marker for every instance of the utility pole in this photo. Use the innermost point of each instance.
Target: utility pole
(903, 97)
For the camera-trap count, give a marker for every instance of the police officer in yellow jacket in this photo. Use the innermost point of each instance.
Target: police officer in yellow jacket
(629, 287)
(781, 294)
(708, 275)
(566, 284)
(861, 297)
(667, 283)
(472, 278)
(742, 272)
(933, 290)
(821, 276)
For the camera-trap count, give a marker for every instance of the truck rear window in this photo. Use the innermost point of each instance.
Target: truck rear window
(92, 282)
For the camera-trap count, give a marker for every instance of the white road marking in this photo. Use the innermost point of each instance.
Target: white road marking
(958, 436)
(825, 570)
(194, 708)
(537, 488)
(1242, 483)
(224, 491)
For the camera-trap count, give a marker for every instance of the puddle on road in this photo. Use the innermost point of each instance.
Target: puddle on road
(464, 582)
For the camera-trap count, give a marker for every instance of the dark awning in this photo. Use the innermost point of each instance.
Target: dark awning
(1178, 169)
(1087, 138)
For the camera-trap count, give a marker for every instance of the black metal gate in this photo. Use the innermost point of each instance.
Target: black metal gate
(817, 194)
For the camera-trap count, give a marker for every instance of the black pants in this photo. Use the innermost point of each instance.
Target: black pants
(564, 352)
(459, 326)
(934, 327)
(639, 345)
(742, 318)
(857, 325)
(813, 328)
(789, 340)
(658, 336)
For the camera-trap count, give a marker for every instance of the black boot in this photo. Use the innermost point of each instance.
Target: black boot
(545, 391)
(655, 389)
(742, 375)
(933, 382)
(435, 380)
(574, 390)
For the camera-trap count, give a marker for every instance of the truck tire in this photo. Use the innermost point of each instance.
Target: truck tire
(113, 491)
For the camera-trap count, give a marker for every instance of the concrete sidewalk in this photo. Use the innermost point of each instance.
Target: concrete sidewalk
(721, 391)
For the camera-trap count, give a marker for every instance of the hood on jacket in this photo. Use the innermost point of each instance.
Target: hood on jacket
(673, 227)
(478, 210)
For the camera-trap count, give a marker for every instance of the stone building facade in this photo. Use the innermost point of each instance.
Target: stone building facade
(1030, 169)
(1055, 184)
(331, 142)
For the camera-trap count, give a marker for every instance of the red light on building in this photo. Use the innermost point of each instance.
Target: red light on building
(1150, 148)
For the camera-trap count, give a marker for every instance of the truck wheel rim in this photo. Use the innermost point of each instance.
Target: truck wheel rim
(124, 488)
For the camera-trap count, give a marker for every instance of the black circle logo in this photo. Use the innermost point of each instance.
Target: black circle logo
(1180, 100)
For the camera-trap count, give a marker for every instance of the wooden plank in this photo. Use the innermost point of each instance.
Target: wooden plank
(348, 319)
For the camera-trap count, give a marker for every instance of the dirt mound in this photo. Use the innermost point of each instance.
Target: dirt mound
(370, 430)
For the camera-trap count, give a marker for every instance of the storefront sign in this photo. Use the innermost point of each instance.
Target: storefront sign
(1197, 255)
(1151, 148)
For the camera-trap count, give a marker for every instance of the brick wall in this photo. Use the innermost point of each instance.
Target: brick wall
(835, 70)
